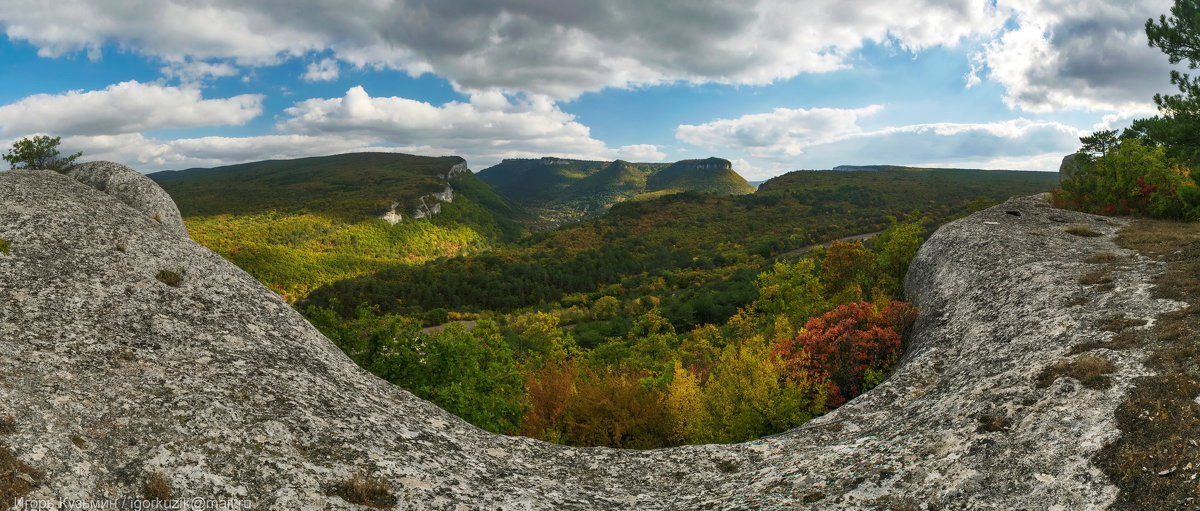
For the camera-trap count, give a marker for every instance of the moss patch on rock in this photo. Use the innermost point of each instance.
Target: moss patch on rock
(169, 278)
(364, 491)
(17, 478)
(1090, 370)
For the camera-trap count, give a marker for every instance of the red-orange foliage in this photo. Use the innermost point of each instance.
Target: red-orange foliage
(613, 409)
(842, 344)
(548, 390)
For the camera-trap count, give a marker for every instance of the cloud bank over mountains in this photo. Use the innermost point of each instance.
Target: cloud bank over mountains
(519, 62)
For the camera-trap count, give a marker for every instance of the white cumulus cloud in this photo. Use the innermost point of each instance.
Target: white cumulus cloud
(1069, 54)
(781, 133)
(640, 153)
(1048, 54)
(790, 139)
(149, 154)
(550, 47)
(190, 72)
(324, 71)
(109, 125)
(125, 107)
(486, 128)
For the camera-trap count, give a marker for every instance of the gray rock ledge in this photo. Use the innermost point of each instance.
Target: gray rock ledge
(133, 188)
(222, 388)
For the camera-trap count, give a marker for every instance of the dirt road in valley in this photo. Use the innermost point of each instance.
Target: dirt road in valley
(804, 250)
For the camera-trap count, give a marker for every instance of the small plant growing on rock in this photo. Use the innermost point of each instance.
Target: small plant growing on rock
(16, 477)
(4, 246)
(727, 466)
(169, 278)
(993, 424)
(812, 497)
(1120, 323)
(1090, 370)
(1083, 231)
(1098, 277)
(364, 491)
(157, 487)
(1103, 258)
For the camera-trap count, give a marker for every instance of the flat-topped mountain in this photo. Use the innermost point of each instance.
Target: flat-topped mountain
(911, 184)
(563, 189)
(895, 167)
(134, 359)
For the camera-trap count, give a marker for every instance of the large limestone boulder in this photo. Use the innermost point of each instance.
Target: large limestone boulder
(1066, 169)
(134, 189)
(116, 374)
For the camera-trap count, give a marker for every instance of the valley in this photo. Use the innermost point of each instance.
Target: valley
(650, 317)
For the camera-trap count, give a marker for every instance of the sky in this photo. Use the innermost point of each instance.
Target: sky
(772, 85)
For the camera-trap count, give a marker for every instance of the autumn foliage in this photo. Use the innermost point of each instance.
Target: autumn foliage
(842, 345)
(613, 369)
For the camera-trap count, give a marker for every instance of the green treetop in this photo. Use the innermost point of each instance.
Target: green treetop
(39, 152)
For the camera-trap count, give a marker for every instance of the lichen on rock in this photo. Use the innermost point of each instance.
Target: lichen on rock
(223, 391)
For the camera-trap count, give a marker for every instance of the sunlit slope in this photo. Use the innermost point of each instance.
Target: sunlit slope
(298, 224)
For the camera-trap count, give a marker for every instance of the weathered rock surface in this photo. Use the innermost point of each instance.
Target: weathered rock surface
(132, 188)
(1066, 169)
(219, 386)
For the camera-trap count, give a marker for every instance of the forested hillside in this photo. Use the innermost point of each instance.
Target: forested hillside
(681, 231)
(298, 224)
(677, 319)
(561, 190)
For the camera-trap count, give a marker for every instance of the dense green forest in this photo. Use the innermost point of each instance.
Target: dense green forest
(560, 190)
(683, 318)
(298, 224)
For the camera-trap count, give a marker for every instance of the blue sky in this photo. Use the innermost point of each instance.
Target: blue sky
(772, 85)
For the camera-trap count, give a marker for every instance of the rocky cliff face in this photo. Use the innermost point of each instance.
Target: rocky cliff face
(116, 374)
(431, 204)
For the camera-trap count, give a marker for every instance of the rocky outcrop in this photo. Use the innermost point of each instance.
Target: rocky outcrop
(133, 188)
(392, 216)
(431, 204)
(116, 373)
(456, 170)
(1068, 167)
